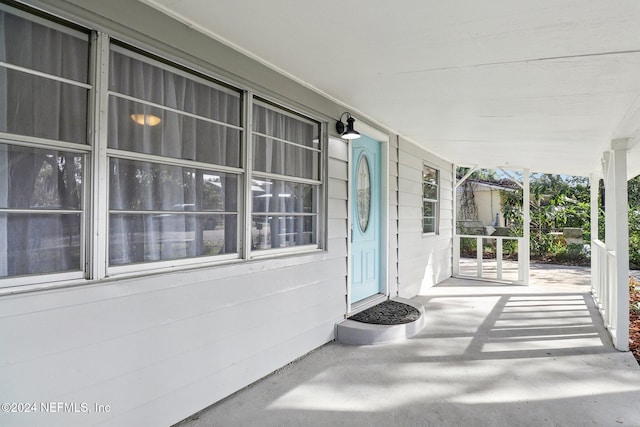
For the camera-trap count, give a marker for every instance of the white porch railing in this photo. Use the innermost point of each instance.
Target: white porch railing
(479, 260)
(604, 288)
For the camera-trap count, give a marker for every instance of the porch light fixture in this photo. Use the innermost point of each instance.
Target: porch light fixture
(349, 132)
(146, 119)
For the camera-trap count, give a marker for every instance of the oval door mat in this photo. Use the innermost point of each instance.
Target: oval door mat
(388, 313)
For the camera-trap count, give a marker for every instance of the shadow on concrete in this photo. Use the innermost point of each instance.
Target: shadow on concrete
(489, 355)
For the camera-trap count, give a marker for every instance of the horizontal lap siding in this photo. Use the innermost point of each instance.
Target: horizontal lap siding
(423, 260)
(159, 348)
(154, 343)
(338, 191)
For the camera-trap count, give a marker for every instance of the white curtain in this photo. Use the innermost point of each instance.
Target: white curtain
(177, 135)
(145, 186)
(297, 161)
(34, 178)
(273, 156)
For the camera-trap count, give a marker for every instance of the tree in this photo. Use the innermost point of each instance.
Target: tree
(634, 222)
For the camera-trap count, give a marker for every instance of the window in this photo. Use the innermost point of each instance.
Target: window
(175, 151)
(169, 173)
(44, 94)
(430, 184)
(286, 178)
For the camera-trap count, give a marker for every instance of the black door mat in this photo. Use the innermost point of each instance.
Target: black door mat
(388, 313)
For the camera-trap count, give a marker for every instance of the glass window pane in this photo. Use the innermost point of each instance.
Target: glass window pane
(279, 231)
(285, 126)
(428, 225)
(37, 178)
(140, 128)
(429, 191)
(428, 209)
(153, 237)
(363, 205)
(219, 191)
(42, 48)
(149, 82)
(430, 184)
(277, 196)
(140, 186)
(429, 175)
(39, 243)
(278, 157)
(178, 200)
(292, 149)
(37, 106)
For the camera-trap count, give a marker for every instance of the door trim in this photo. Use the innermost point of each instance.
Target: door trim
(383, 139)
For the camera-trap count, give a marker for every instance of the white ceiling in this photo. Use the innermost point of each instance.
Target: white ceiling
(542, 84)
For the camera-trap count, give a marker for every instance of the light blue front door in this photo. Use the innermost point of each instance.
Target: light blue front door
(365, 231)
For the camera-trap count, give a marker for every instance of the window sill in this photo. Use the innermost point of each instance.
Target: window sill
(430, 235)
(150, 270)
(42, 286)
(137, 269)
(279, 252)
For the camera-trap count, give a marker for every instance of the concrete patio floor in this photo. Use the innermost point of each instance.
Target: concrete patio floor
(489, 355)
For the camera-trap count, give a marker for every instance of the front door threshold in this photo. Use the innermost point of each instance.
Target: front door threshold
(357, 333)
(363, 304)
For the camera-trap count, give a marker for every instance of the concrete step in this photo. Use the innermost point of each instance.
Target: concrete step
(357, 333)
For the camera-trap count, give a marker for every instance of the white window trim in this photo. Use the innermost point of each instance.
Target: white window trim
(436, 218)
(95, 205)
(320, 213)
(33, 281)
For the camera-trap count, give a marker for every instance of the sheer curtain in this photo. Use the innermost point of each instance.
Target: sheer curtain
(173, 211)
(39, 179)
(287, 208)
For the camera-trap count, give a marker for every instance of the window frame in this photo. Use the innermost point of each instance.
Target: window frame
(117, 269)
(320, 183)
(62, 276)
(83, 149)
(436, 202)
(116, 153)
(95, 210)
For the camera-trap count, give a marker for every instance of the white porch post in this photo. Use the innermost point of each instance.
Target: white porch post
(526, 227)
(617, 241)
(456, 240)
(594, 181)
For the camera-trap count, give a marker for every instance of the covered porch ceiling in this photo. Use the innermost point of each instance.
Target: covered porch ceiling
(544, 85)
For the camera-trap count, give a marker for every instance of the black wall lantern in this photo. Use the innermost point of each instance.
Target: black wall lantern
(349, 132)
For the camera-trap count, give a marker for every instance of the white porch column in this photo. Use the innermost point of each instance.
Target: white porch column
(455, 259)
(526, 226)
(617, 240)
(594, 185)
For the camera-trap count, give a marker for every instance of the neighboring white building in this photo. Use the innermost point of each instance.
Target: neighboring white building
(178, 219)
(488, 202)
(489, 207)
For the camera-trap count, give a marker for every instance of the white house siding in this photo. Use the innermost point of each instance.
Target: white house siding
(423, 260)
(158, 348)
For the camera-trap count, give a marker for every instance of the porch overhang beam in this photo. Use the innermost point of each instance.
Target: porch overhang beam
(514, 179)
(625, 144)
(466, 176)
